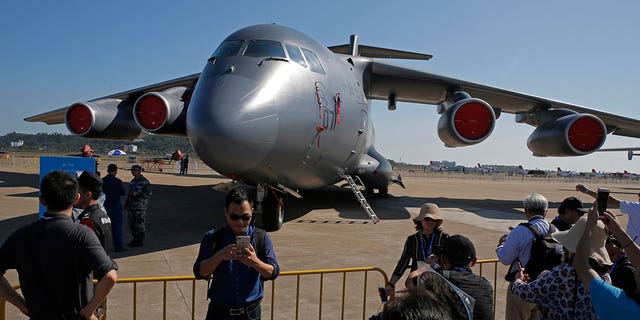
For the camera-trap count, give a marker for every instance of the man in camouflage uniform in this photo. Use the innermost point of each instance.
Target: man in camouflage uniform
(136, 205)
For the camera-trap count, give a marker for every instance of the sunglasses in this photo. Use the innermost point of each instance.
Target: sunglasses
(236, 217)
(429, 219)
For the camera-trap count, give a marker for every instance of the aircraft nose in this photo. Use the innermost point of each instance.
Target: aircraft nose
(230, 125)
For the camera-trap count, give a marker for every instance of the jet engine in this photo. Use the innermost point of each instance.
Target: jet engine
(162, 112)
(574, 134)
(466, 122)
(102, 119)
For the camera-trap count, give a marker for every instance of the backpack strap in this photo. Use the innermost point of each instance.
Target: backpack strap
(218, 237)
(258, 237)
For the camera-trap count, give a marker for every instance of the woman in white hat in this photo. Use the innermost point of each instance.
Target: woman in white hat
(559, 291)
(423, 246)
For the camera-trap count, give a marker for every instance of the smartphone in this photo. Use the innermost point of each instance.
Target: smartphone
(602, 198)
(243, 242)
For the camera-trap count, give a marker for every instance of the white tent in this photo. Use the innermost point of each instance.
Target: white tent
(116, 152)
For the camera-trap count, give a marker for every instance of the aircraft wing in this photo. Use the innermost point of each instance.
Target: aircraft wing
(413, 85)
(57, 116)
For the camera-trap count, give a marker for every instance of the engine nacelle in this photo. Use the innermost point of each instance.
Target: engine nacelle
(162, 112)
(467, 122)
(102, 119)
(571, 135)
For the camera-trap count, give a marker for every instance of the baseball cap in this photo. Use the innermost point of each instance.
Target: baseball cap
(459, 250)
(572, 203)
(136, 167)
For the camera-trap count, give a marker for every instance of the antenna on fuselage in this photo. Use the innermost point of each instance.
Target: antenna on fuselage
(353, 45)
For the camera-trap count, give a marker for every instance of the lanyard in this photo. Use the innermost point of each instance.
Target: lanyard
(428, 253)
(613, 267)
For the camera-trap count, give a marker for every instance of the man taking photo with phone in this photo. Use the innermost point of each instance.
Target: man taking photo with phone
(631, 208)
(236, 289)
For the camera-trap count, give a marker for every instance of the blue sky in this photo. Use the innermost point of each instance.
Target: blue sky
(55, 53)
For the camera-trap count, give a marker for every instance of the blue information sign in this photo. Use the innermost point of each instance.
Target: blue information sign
(73, 165)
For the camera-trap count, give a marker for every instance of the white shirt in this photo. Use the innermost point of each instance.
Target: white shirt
(632, 209)
(519, 241)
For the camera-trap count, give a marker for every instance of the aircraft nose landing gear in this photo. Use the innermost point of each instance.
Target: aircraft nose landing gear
(270, 205)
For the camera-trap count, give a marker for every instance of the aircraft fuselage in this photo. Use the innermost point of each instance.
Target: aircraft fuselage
(261, 113)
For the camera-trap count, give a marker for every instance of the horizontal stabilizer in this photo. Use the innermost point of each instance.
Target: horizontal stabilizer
(377, 52)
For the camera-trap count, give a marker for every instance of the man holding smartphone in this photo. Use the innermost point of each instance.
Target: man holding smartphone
(238, 268)
(631, 208)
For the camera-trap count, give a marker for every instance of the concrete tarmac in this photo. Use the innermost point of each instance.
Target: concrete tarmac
(325, 229)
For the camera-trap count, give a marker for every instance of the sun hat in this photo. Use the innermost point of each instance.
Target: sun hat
(569, 239)
(429, 210)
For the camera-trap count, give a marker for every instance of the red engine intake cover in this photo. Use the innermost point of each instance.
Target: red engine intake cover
(79, 119)
(151, 112)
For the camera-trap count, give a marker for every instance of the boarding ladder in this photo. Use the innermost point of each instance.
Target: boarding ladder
(363, 201)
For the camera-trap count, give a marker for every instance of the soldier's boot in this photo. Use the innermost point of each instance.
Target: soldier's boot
(137, 240)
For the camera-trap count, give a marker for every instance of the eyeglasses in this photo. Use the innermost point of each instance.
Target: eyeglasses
(429, 219)
(236, 217)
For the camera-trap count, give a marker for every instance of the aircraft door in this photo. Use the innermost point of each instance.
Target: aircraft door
(363, 129)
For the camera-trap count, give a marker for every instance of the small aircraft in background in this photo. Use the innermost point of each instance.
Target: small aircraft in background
(567, 173)
(483, 170)
(630, 175)
(530, 172)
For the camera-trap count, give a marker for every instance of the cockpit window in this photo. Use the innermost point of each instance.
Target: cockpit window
(296, 55)
(227, 49)
(314, 63)
(264, 48)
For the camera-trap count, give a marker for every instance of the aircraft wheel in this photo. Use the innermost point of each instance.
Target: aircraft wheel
(383, 192)
(272, 213)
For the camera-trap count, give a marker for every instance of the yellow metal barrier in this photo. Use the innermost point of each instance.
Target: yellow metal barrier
(366, 293)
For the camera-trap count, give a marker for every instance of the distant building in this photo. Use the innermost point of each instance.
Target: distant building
(15, 144)
(130, 148)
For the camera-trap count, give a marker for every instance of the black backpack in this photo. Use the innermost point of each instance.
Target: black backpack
(546, 253)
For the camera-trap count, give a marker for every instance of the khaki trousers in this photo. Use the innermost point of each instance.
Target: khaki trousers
(520, 309)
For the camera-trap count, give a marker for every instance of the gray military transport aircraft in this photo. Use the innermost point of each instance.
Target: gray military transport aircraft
(276, 109)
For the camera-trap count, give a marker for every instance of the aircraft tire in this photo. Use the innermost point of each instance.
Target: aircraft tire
(272, 213)
(383, 192)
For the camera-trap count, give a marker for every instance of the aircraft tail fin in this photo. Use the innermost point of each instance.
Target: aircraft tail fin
(378, 52)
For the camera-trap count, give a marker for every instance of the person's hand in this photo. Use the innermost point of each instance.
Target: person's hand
(390, 290)
(611, 222)
(432, 260)
(248, 256)
(502, 239)
(521, 275)
(581, 188)
(87, 314)
(229, 252)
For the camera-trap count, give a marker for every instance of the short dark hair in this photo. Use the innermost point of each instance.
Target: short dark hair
(459, 250)
(58, 189)
(419, 226)
(417, 304)
(237, 196)
(112, 168)
(89, 181)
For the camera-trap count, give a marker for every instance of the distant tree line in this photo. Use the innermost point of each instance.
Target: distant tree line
(66, 143)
